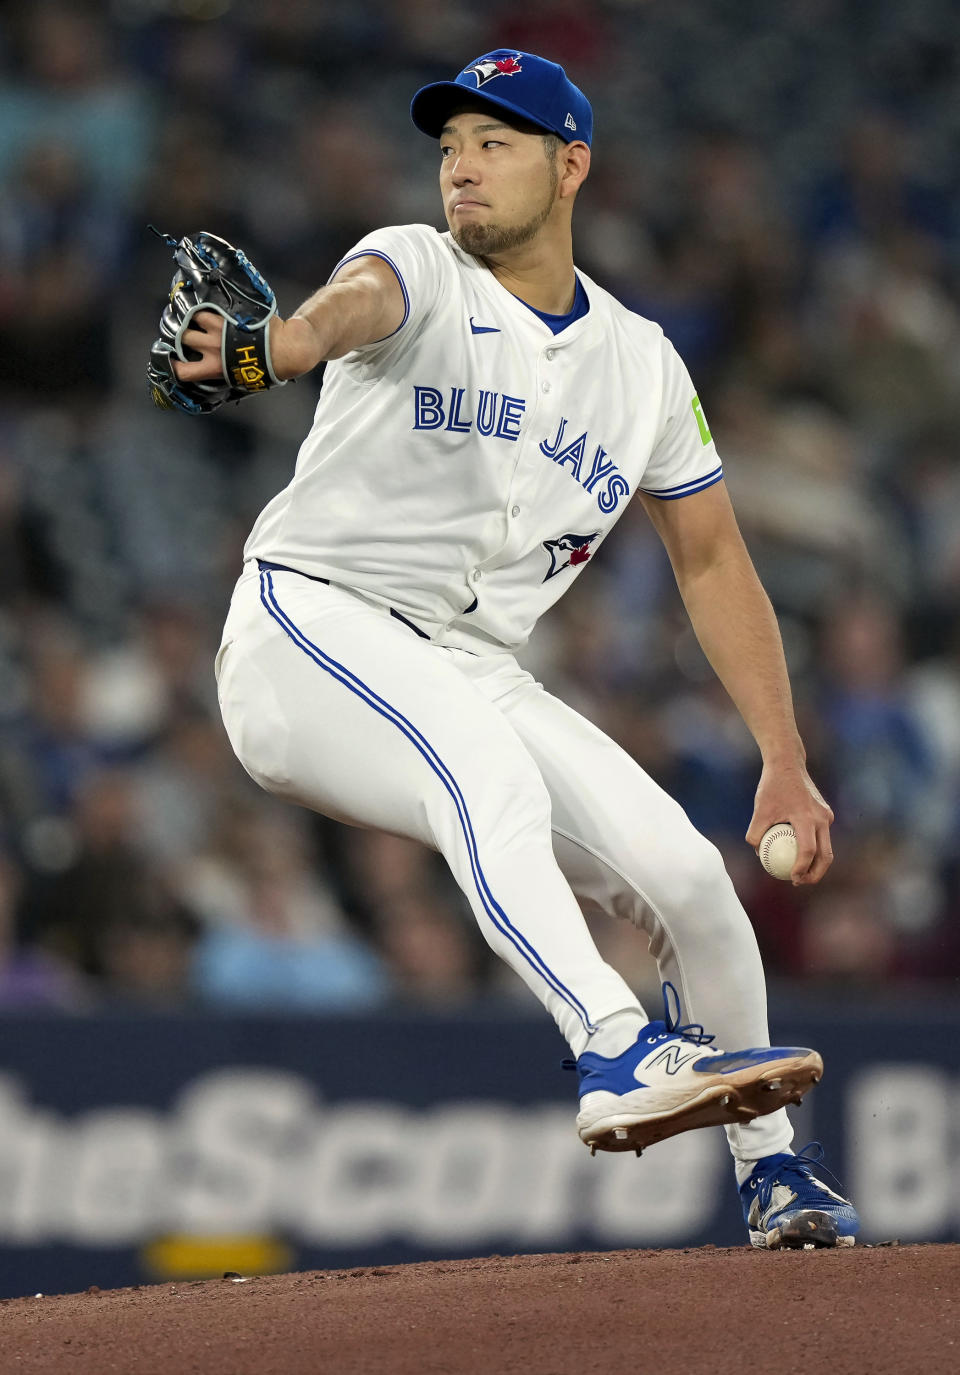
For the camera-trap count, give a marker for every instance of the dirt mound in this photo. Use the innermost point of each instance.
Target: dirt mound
(880, 1311)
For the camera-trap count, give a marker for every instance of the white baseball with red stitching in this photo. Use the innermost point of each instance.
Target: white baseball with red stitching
(777, 850)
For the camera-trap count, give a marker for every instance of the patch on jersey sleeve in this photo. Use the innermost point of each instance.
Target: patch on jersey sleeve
(568, 551)
(702, 425)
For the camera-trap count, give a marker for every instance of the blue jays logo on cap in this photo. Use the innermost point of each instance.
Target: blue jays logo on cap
(538, 91)
(488, 67)
(576, 547)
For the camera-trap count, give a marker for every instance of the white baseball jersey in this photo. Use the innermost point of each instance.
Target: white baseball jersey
(465, 469)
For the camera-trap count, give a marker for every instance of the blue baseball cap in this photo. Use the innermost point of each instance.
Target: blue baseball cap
(520, 83)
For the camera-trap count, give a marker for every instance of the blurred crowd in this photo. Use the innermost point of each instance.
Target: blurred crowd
(778, 186)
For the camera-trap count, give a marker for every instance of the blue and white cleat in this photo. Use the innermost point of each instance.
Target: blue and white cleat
(672, 1079)
(785, 1205)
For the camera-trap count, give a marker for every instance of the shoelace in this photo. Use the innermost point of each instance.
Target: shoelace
(690, 1031)
(800, 1166)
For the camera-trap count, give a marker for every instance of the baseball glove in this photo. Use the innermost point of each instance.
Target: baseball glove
(213, 275)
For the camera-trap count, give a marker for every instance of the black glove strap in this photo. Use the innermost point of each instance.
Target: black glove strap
(247, 364)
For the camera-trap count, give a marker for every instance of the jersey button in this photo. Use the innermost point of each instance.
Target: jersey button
(514, 511)
(476, 575)
(550, 355)
(545, 386)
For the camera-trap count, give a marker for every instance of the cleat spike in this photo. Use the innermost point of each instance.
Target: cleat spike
(639, 1151)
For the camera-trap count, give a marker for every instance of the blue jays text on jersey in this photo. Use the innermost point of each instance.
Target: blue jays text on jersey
(501, 417)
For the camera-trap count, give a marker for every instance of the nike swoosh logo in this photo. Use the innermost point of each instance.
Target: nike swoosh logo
(483, 329)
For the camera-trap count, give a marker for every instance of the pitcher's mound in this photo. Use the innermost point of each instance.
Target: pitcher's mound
(861, 1311)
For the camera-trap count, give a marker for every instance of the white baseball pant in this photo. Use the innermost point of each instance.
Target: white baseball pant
(332, 703)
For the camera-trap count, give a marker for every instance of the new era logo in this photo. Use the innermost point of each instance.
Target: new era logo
(570, 123)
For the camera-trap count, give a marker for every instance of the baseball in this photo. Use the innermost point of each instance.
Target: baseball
(777, 850)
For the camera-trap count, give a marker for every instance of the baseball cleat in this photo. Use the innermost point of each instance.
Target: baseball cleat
(672, 1080)
(786, 1205)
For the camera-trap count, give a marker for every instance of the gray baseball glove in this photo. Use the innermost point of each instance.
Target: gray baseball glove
(213, 275)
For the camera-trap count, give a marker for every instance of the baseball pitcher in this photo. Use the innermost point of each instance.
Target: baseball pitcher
(487, 415)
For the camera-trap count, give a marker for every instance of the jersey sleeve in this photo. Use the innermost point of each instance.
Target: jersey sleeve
(684, 458)
(413, 252)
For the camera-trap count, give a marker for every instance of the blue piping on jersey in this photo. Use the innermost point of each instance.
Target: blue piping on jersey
(366, 694)
(685, 489)
(375, 253)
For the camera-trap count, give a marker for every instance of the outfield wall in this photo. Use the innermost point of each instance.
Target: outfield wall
(138, 1148)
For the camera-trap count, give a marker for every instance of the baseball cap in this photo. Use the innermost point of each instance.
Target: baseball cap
(525, 85)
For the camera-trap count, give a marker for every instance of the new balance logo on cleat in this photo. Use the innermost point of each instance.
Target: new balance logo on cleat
(670, 1059)
(673, 1080)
